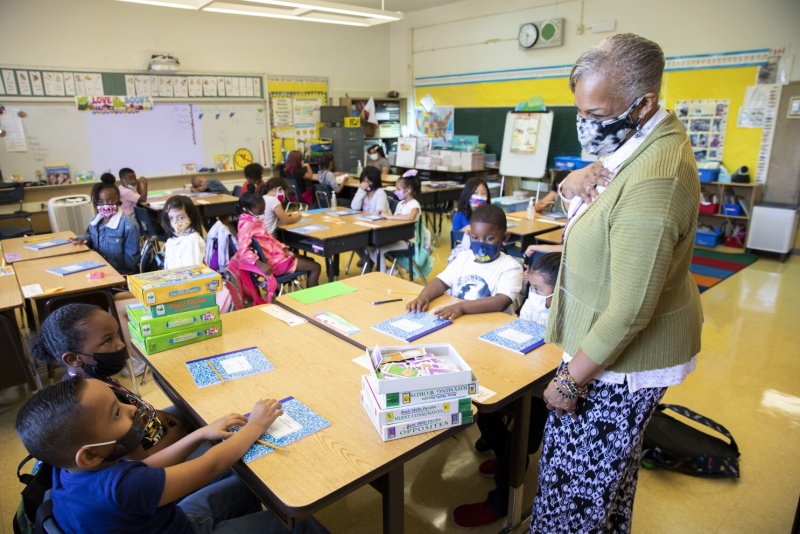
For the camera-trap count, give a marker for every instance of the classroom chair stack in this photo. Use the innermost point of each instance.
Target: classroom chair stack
(176, 307)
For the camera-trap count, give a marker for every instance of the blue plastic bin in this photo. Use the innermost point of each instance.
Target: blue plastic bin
(708, 239)
(708, 175)
(731, 209)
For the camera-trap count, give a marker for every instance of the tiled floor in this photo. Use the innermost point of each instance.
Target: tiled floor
(747, 380)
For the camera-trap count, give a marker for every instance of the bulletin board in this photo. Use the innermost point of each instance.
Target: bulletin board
(526, 141)
(294, 112)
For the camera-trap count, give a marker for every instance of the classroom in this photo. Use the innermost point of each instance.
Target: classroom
(363, 210)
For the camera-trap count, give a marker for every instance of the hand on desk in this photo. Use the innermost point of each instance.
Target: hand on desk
(264, 413)
(451, 313)
(218, 430)
(77, 241)
(419, 304)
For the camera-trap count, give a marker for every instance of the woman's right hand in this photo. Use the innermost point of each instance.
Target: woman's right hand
(582, 183)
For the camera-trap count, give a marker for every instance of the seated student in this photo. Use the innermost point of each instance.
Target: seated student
(133, 192)
(407, 189)
(377, 158)
(487, 279)
(274, 213)
(325, 174)
(80, 428)
(201, 184)
(547, 202)
(253, 179)
(494, 431)
(474, 194)
(300, 171)
(183, 225)
(113, 236)
(370, 196)
(85, 339)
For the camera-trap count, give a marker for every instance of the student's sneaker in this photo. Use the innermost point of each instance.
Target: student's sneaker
(474, 515)
(488, 468)
(138, 368)
(482, 446)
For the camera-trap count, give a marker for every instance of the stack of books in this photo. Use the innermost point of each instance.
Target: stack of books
(429, 162)
(176, 307)
(415, 389)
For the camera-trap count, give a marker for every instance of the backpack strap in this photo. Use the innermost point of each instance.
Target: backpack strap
(694, 416)
(43, 513)
(24, 478)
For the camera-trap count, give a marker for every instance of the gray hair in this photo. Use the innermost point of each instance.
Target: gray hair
(634, 63)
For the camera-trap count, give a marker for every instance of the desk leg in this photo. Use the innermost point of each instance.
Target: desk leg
(393, 500)
(519, 460)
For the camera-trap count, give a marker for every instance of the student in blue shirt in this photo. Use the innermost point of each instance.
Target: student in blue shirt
(474, 194)
(80, 428)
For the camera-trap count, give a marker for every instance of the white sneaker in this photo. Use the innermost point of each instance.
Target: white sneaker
(138, 368)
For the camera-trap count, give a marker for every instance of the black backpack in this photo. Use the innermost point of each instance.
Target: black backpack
(674, 445)
(31, 513)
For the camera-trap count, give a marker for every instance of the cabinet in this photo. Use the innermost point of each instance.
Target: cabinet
(390, 112)
(348, 146)
(731, 215)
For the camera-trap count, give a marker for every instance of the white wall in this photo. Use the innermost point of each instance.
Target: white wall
(453, 39)
(105, 34)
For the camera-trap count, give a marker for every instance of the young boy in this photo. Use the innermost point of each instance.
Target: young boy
(133, 190)
(200, 184)
(484, 277)
(253, 175)
(80, 428)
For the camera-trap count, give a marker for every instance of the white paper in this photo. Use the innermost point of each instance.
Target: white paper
(58, 83)
(154, 86)
(283, 426)
(180, 86)
(483, 394)
(209, 86)
(130, 85)
(236, 365)
(244, 83)
(31, 291)
(406, 152)
(284, 315)
(24, 82)
(14, 140)
(80, 87)
(165, 86)
(248, 86)
(36, 82)
(142, 85)
(195, 86)
(364, 362)
(257, 87)
(221, 85)
(49, 84)
(427, 102)
(11, 83)
(2, 87)
(94, 82)
(406, 325)
(69, 83)
(515, 335)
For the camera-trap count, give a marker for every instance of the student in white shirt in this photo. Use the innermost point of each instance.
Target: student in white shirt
(407, 190)
(182, 223)
(273, 205)
(370, 198)
(487, 279)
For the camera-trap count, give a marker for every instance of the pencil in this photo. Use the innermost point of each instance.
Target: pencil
(402, 292)
(37, 240)
(53, 290)
(272, 446)
(211, 365)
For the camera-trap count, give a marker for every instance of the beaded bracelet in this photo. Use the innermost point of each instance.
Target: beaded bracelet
(565, 395)
(570, 385)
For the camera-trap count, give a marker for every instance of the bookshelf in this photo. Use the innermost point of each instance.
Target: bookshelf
(391, 114)
(749, 195)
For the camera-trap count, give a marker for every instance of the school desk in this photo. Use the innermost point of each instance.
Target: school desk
(17, 245)
(383, 231)
(16, 368)
(509, 374)
(316, 369)
(553, 237)
(528, 230)
(210, 206)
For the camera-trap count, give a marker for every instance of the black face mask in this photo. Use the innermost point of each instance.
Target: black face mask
(127, 443)
(108, 363)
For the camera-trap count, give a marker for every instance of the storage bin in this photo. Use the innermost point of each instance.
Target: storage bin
(731, 209)
(708, 175)
(708, 239)
(570, 163)
(709, 209)
(734, 241)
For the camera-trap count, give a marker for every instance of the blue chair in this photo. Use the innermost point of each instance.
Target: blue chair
(291, 279)
(237, 191)
(456, 238)
(12, 193)
(147, 227)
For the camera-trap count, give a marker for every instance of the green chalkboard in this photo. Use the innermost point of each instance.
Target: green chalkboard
(489, 123)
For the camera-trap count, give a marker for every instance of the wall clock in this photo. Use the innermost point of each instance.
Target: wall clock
(528, 35)
(242, 158)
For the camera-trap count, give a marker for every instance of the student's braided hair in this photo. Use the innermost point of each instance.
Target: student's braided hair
(63, 331)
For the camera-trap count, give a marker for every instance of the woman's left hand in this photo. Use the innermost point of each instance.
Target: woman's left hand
(556, 401)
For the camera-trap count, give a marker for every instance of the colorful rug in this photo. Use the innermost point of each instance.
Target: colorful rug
(709, 268)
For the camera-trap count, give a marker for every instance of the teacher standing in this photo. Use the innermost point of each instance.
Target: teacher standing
(626, 311)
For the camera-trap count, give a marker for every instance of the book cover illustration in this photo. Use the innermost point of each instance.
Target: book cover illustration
(57, 173)
(224, 162)
(309, 229)
(73, 268)
(411, 325)
(47, 244)
(228, 366)
(519, 336)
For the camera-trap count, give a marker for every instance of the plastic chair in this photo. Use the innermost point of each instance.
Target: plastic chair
(150, 259)
(322, 194)
(17, 367)
(11, 193)
(456, 238)
(289, 278)
(237, 191)
(409, 253)
(147, 227)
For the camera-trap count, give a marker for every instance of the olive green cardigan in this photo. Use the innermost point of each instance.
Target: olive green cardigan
(624, 293)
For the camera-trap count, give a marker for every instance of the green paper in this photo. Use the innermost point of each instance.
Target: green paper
(321, 292)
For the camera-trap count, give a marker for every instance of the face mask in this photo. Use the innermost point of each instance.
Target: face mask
(127, 443)
(129, 186)
(182, 227)
(107, 210)
(108, 363)
(373, 157)
(279, 195)
(257, 217)
(400, 194)
(539, 305)
(604, 137)
(484, 252)
(476, 200)
(369, 187)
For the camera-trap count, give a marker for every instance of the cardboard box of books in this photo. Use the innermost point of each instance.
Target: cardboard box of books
(401, 414)
(153, 326)
(415, 426)
(414, 367)
(181, 306)
(159, 287)
(174, 339)
(421, 396)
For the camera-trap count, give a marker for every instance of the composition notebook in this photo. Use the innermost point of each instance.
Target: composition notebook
(73, 268)
(412, 325)
(297, 422)
(519, 336)
(228, 366)
(47, 244)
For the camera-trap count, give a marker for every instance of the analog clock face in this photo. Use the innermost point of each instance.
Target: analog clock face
(242, 158)
(528, 35)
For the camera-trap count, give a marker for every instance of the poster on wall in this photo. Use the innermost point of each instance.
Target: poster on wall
(439, 123)
(303, 133)
(525, 134)
(281, 107)
(705, 122)
(406, 152)
(306, 110)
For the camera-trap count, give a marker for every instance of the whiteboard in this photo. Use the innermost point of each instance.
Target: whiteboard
(526, 155)
(153, 143)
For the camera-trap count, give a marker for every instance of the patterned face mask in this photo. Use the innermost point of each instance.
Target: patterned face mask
(484, 252)
(604, 137)
(182, 227)
(107, 210)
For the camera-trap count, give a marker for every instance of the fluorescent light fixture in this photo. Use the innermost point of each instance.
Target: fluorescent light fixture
(340, 9)
(180, 4)
(255, 11)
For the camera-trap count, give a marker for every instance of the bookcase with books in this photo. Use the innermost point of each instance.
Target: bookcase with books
(391, 116)
(729, 210)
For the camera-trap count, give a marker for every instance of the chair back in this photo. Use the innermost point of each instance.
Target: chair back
(237, 191)
(147, 227)
(232, 245)
(322, 194)
(393, 202)
(292, 194)
(101, 298)
(456, 238)
(15, 368)
(12, 192)
(150, 259)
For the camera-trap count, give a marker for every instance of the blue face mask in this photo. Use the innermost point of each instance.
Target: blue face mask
(484, 252)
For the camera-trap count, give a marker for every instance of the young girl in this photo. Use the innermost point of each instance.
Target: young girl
(85, 340)
(377, 158)
(325, 174)
(370, 197)
(273, 205)
(113, 236)
(494, 431)
(474, 194)
(181, 221)
(407, 189)
(552, 196)
(133, 192)
(253, 179)
(300, 171)
(279, 260)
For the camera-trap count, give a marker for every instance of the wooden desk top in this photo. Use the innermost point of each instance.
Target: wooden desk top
(315, 368)
(353, 180)
(503, 371)
(336, 226)
(217, 198)
(326, 218)
(525, 227)
(35, 272)
(553, 236)
(26, 254)
(10, 294)
(538, 217)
